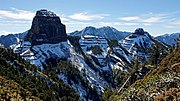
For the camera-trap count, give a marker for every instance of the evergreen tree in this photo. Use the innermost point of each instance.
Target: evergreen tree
(156, 55)
(137, 61)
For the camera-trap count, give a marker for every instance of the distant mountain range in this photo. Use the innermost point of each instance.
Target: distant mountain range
(168, 39)
(106, 32)
(88, 61)
(10, 39)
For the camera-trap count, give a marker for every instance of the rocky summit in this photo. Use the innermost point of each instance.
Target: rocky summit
(46, 28)
(139, 31)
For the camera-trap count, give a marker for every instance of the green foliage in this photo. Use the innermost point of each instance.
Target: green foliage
(123, 58)
(89, 63)
(113, 43)
(95, 49)
(73, 74)
(107, 94)
(119, 78)
(74, 40)
(30, 78)
(10, 90)
(68, 69)
(164, 78)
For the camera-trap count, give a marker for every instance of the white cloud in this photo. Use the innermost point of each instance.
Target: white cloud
(172, 26)
(152, 19)
(6, 32)
(77, 23)
(147, 18)
(131, 24)
(147, 24)
(87, 17)
(107, 23)
(116, 24)
(177, 22)
(64, 19)
(71, 26)
(15, 21)
(130, 18)
(16, 14)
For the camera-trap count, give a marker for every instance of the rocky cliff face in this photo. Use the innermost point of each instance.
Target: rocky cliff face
(46, 28)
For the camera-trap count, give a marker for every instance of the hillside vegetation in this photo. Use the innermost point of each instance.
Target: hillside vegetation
(12, 91)
(161, 84)
(22, 81)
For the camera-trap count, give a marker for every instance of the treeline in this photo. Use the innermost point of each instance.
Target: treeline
(73, 76)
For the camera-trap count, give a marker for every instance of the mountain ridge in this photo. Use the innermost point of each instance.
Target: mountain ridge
(20, 36)
(159, 84)
(168, 39)
(106, 31)
(89, 61)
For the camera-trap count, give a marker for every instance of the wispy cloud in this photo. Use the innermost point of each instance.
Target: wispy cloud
(147, 24)
(15, 21)
(176, 22)
(116, 24)
(152, 19)
(63, 17)
(172, 26)
(16, 14)
(131, 24)
(87, 17)
(145, 18)
(6, 32)
(129, 18)
(77, 23)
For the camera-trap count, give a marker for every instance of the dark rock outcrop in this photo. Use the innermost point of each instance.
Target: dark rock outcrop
(46, 28)
(139, 31)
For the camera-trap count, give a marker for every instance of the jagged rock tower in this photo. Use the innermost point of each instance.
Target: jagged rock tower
(46, 28)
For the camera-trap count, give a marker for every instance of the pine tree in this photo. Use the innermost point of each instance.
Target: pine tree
(137, 61)
(156, 55)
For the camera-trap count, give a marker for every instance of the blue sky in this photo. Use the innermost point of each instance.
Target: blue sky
(155, 16)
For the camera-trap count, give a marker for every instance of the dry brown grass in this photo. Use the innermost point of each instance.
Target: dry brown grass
(12, 91)
(173, 94)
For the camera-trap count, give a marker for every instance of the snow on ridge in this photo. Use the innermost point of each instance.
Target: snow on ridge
(89, 41)
(44, 12)
(133, 39)
(39, 53)
(106, 32)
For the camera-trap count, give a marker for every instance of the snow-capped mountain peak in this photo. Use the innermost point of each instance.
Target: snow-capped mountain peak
(168, 39)
(106, 32)
(139, 41)
(99, 54)
(12, 39)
